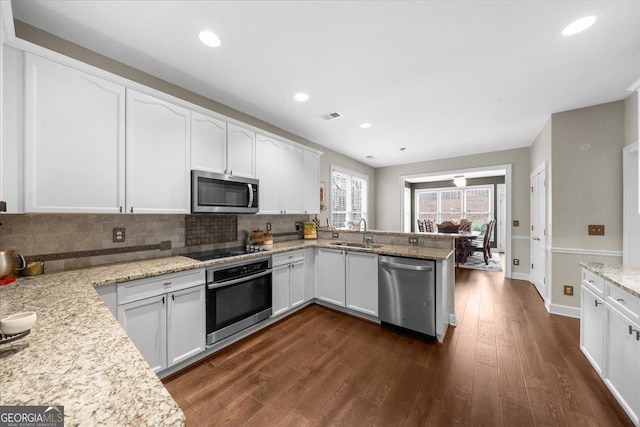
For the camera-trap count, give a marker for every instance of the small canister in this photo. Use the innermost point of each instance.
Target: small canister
(34, 268)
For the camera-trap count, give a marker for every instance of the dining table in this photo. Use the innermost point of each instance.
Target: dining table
(462, 253)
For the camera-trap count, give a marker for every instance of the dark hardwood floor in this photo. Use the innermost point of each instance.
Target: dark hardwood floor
(507, 363)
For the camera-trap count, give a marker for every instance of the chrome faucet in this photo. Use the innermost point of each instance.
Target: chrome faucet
(365, 239)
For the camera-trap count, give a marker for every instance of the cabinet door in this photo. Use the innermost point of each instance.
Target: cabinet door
(311, 182)
(592, 328)
(268, 173)
(290, 178)
(622, 361)
(145, 322)
(74, 140)
(241, 145)
(362, 282)
(330, 276)
(186, 324)
(280, 290)
(158, 160)
(208, 143)
(297, 283)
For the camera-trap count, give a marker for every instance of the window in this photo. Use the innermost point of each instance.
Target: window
(348, 197)
(446, 204)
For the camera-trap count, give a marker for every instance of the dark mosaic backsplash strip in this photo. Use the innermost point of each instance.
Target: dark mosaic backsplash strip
(208, 229)
(163, 246)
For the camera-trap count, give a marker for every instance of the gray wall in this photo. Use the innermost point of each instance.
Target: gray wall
(49, 41)
(631, 119)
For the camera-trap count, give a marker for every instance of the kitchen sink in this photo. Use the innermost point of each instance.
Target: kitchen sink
(356, 245)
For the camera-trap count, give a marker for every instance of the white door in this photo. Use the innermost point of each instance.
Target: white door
(208, 143)
(241, 145)
(145, 322)
(310, 182)
(158, 155)
(268, 173)
(296, 283)
(74, 140)
(280, 290)
(407, 210)
(362, 282)
(538, 231)
(186, 324)
(330, 276)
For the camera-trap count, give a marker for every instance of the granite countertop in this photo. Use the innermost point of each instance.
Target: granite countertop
(623, 276)
(77, 354)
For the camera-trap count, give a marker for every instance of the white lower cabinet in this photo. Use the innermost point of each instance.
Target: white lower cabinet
(592, 328)
(362, 282)
(622, 361)
(610, 338)
(165, 316)
(288, 281)
(330, 276)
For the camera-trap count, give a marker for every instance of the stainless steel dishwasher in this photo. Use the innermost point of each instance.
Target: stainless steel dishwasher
(407, 293)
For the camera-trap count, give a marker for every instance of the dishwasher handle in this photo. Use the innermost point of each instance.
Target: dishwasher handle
(406, 266)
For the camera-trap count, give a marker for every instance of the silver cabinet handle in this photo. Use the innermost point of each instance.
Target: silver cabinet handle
(166, 284)
(250, 195)
(620, 300)
(591, 281)
(406, 266)
(597, 303)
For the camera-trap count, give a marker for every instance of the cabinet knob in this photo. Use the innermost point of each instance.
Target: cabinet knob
(230, 172)
(166, 284)
(173, 297)
(163, 300)
(620, 300)
(131, 209)
(597, 303)
(120, 209)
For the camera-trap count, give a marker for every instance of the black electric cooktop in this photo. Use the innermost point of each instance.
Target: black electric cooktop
(222, 253)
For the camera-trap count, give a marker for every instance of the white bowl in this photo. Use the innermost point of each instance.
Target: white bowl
(18, 322)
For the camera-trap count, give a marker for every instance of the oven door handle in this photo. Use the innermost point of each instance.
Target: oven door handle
(250, 195)
(240, 280)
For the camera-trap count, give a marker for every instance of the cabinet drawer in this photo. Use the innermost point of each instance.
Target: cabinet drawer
(151, 286)
(287, 257)
(623, 301)
(593, 281)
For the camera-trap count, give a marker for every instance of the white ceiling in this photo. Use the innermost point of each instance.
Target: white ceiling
(441, 78)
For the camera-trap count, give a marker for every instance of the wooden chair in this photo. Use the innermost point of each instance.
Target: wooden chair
(484, 246)
(464, 226)
(428, 226)
(421, 227)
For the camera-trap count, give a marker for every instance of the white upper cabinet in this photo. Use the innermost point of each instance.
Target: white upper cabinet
(158, 158)
(241, 146)
(74, 140)
(290, 178)
(311, 182)
(208, 143)
(268, 173)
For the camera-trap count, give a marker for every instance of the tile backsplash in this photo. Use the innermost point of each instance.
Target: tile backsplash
(71, 241)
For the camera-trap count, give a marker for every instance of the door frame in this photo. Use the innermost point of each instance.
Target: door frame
(508, 184)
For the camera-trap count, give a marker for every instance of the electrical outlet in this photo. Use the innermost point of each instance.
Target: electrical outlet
(596, 230)
(516, 223)
(268, 227)
(298, 226)
(413, 240)
(516, 261)
(335, 235)
(568, 290)
(118, 235)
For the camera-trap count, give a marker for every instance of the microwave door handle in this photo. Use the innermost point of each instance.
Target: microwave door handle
(250, 195)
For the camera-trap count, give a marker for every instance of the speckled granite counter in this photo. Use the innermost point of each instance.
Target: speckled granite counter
(623, 276)
(78, 356)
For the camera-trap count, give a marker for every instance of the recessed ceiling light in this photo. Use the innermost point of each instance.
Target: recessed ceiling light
(370, 157)
(365, 125)
(209, 38)
(301, 97)
(578, 25)
(403, 148)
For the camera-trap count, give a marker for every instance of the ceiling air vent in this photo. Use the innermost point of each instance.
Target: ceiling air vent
(331, 116)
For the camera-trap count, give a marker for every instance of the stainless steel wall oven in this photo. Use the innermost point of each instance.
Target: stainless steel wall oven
(238, 296)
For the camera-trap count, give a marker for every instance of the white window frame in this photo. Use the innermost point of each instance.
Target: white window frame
(464, 199)
(365, 202)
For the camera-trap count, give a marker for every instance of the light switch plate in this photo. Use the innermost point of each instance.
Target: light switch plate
(596, 230)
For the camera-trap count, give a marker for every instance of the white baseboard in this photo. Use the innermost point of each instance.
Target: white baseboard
(453, 319)
(563, 310)
(520, 276)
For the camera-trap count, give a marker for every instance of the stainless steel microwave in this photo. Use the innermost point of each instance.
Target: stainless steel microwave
(222, 193)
